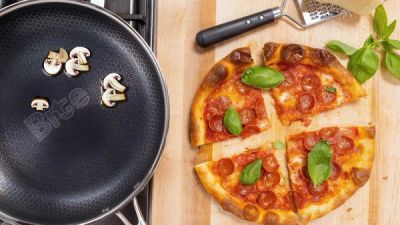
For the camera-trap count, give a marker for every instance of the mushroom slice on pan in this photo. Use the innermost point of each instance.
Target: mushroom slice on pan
(110, 96)
(111, 82)
(61, 56)
(80, 53)
(52, 66)
(40, 104)
(72, 67)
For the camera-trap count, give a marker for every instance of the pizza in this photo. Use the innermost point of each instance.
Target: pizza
(352, 159)
(266, 201)
(315, 81)
(221, 90)
(284, 192)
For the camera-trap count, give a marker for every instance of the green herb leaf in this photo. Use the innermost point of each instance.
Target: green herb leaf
(369, 42)
(391, 44)
(380, 20)
(341, 47)
(232, 121)
(262, 77)
(279, 145)
(251, 174)
(363, 64)
(392, 61)
(319, 162)
(330, 89)
(389, 30)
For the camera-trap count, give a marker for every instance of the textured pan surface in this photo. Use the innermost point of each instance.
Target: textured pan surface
(96, 159)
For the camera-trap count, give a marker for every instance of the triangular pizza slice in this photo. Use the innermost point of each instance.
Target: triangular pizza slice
(222, 89)
(315, 81)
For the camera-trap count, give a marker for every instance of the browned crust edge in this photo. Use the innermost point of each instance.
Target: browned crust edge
(223, 69)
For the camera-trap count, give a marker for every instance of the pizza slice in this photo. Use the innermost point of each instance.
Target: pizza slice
(352, 154)
(223, 90)
(315, 81)
(252, 185)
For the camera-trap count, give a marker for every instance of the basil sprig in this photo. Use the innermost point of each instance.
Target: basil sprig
(319, 162)
(365, 61)
(251, 174)
(232, 121)
(262, 77)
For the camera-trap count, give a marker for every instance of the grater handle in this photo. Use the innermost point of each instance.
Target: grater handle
(230, 29)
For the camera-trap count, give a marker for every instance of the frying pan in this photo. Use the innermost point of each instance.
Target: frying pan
(77, 162)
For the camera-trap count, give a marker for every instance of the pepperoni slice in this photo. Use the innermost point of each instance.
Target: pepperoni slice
(216, 123)
(359, 176)
(345, 145)
(268, 181)
(336, 170)
(310, 140)
(270, 164)
(247, 115)
(319, 190)
(221, 104)
(250, 212)
(225, 167)
(271, 218)
(310, 82)
(289, 81)
(330, 134)
(266, 199)
(305, 102)
(326, 97)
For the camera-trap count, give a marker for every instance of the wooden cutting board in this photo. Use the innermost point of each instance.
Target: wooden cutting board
(179, 199)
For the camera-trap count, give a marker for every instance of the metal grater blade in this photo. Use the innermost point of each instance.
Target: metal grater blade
(314, 12)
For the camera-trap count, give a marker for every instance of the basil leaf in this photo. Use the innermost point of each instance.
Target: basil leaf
(380, 20)
(341, 47)
(262, 77)
(363, 64)
(369, 42)
(389, 30)
(330, 89)
(392, 44)
(251, 173)
(232, 121)
(279, 145)
(392, 61)
(319, 162)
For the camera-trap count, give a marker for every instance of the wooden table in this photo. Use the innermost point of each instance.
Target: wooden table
(178, 199)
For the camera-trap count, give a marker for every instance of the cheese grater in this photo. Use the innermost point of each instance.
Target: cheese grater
(311, 12)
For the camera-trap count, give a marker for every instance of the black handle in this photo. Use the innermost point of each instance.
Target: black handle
(227, 30)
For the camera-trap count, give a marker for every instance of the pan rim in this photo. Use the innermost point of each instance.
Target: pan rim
(124, 25)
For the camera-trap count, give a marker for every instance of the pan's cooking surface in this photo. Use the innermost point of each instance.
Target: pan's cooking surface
(92, 159)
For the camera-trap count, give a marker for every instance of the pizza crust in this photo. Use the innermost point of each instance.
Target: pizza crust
(236, 206)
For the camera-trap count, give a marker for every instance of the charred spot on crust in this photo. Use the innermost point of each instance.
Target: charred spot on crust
(269, 49)
(322, 57)
(217, 73)
(271, 218)
(250, 212)
(241, 56)
(229, 206)
(292, 53)
(359, 176)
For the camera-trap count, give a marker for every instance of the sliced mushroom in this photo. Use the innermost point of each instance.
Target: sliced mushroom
(52, 66)
(40, 104)
(72, 67)
(111, 82)
(110, 96)
(80, 53)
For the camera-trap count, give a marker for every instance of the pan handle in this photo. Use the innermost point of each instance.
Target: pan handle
(139, 214)
(230, 29)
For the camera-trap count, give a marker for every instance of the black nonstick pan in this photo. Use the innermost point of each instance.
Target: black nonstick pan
(78, 161)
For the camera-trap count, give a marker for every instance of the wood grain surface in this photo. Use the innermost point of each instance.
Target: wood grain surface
(179, 199)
